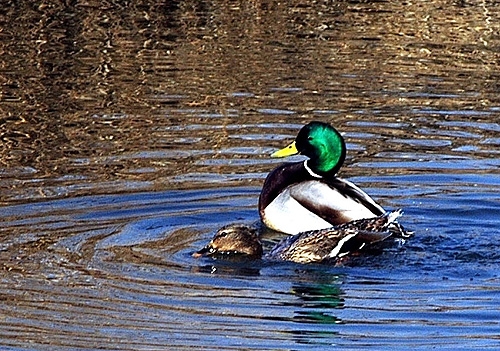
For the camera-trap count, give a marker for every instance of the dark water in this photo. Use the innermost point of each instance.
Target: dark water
(131, 132)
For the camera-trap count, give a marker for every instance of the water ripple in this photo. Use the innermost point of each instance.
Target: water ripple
(129, 256)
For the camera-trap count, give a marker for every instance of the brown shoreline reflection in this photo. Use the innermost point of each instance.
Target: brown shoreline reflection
(106, 97)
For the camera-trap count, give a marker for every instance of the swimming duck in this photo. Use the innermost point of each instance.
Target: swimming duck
(233, 239)
(307, 195)
(329, 244)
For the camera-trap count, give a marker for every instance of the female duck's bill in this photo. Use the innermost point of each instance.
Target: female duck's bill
(312, 246)
(303, 196)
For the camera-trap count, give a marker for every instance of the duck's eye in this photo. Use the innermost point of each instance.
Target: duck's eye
(310, 138)
(222, 234)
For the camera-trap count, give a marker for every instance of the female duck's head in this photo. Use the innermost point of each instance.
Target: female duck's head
(233, 239)
(322, 143)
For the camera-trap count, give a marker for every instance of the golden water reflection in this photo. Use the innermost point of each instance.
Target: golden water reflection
(108, 97)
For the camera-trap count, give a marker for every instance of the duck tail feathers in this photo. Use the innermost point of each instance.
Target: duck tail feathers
(392, 216)
(397, 229)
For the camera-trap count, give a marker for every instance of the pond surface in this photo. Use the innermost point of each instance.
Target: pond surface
(131, 132)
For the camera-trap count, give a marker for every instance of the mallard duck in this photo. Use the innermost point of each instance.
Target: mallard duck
(312, 246)
(233, 239)
(307, 195)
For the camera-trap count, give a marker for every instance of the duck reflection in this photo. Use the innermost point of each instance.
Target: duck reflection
(317, 302)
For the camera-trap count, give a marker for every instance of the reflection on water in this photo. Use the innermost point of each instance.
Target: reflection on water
(115, 271)
(131, 132)
(318, 302)
(102, 97)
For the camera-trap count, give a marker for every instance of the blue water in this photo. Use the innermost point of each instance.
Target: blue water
(116, 272)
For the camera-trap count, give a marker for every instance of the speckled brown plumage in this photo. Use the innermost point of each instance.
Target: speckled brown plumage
(312, 246)
(335, 242)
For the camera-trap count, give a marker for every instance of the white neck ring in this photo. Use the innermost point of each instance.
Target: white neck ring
(310, 171)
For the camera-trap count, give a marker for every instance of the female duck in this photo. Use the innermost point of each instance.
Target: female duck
(302, 196)
(328, 244)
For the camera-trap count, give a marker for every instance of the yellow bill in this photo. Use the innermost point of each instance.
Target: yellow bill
(286, 151)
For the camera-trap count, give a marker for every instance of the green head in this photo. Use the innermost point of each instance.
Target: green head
(322, 143)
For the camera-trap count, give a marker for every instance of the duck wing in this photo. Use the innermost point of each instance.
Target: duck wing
(354, 193)
(335, 242)
(335, 200)
(326, 244)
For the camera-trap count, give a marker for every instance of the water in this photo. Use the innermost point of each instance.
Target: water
(130, 133)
